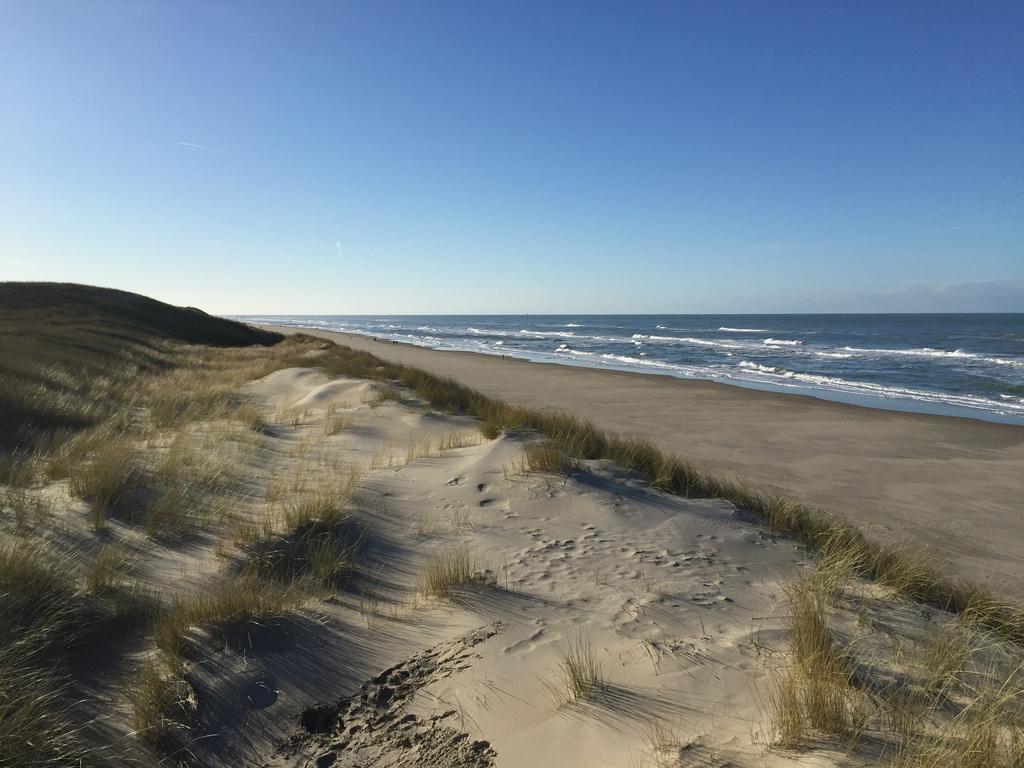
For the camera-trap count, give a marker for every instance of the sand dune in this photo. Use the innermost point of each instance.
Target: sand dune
(954, 486)
(671, 593)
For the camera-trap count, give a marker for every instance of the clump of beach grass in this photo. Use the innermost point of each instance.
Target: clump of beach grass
(335, 423)
(104, 572)
(231, 606)
(319, 551)
(251, 415)
(106, 480)
(23, 507)
(547, 456)
(456, 440)
(786, 710)
(383, 393)
(419, 448)
(451, 569)
(41, 617)
(582, 674)
(164, 707)
(986, 732)
(815, 690)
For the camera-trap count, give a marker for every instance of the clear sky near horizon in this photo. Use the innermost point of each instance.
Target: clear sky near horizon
(485, 157)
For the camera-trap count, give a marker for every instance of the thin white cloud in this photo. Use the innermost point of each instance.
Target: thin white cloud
(337, 249)
(223, 243)
(193, 145)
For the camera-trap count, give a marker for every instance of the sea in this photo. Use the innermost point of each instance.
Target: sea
(968, 365)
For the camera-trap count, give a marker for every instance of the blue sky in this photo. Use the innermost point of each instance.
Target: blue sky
(474, 157)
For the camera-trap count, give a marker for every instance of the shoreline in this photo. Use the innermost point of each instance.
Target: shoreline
(950, 485)
(772, 376)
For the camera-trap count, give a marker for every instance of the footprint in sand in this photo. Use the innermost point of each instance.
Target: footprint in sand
(709, 598)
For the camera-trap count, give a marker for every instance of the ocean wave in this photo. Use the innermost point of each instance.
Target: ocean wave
(686, 340)
(488, 332)
(647, 363)
(786, 378)
(956, 354)
(810, 366)
(565, 349)
(545, 334)
(757, 367)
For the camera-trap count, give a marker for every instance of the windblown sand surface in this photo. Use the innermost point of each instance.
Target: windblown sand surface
(676, 597)
(952, 486)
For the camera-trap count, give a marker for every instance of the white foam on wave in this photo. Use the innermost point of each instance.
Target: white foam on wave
(647, 363)
(726, 329)
(545, 334)
(757, 367)
(782, 377)
(488, 332)
(565, 349)
(573, 325)
(745, 371)
(686, 340)
(956, 354)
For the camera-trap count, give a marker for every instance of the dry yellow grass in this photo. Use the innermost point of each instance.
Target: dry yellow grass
(164, 708)
(582, 674)
(547, 456)
(451, 569)
(232, 605)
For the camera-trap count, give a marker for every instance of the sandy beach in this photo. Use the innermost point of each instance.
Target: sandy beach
(952, 486)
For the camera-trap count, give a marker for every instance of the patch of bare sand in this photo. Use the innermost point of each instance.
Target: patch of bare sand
(679, 600)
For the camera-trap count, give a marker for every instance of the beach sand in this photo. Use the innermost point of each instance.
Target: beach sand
(953, 487)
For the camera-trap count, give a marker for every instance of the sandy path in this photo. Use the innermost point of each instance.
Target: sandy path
(955, 486)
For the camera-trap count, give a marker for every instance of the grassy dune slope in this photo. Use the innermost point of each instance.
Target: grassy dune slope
(57, 338)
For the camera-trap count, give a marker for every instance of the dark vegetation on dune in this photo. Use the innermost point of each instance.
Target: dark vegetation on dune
(88, 374)
(57, 339)
(71, 357)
